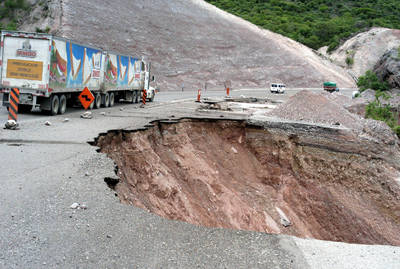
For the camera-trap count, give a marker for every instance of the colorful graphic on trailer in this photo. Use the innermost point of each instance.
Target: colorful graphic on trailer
(123, 69)
(111, 70)
(74, 65)
(134, 68)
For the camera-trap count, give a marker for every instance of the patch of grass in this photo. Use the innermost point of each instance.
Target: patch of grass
(377, 111)
(9, 12)
(349, 61)
(38, 30)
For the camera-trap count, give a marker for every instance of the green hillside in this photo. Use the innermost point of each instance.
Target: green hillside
(315, 23)
(9, 13)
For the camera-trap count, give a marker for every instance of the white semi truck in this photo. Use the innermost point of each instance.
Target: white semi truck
(50, 73)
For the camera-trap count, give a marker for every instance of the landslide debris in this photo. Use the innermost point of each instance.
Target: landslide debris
(336, 110)
(276, 177)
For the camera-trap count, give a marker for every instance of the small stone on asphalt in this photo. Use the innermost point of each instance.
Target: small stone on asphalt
(11, 125)
(74, 205)
(87, 115)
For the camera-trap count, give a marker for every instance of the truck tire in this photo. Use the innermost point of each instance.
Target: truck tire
(152, 98)
(97, 101)
(63, 105)
(54, 104)
(106, 99)
(112, 99)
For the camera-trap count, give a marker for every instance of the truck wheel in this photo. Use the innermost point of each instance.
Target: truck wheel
(54, 105)
(106, 100)
(112, 99)
(63, 105)
(97, 101)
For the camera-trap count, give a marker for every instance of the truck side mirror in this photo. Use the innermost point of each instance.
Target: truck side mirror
(153, 78)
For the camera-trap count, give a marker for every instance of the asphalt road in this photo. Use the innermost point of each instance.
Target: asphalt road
(45, 169)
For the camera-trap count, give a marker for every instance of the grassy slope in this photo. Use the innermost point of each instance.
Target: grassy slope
(315, 23)
(10, 12)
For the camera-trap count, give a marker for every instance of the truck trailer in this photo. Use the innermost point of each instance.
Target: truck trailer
(50, 73)
(330, 86)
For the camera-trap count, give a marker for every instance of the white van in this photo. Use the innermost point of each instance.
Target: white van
(278, 87)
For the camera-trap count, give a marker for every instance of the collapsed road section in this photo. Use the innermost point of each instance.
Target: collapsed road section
(292, 178)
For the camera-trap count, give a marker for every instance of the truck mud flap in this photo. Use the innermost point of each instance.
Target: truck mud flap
(6, 101)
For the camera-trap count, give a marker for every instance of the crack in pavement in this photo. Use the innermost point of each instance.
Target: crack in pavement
(13, 142)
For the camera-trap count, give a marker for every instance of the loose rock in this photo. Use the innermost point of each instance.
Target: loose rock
(284, 219)
(11, 125)
(47, 123)
(87, 115)
(75, 206)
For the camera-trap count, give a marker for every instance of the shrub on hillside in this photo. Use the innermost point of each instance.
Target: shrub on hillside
(315, 23)
(349, 61)
(371, 81)
(9, 12)
(377, 111)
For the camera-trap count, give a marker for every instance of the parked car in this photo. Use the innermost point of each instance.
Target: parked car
(278, 88)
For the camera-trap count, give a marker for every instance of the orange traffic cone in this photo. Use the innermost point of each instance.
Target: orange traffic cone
(198, 95)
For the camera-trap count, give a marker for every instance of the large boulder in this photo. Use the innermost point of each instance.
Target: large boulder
(388, 68)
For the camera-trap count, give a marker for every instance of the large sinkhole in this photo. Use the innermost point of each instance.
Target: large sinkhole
(222, 173)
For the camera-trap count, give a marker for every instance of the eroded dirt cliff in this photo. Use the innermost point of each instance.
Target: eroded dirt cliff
(297, 179)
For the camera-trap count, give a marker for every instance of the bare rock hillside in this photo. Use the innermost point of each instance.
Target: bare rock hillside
(365, 49)
(192, 42)
(388, 68)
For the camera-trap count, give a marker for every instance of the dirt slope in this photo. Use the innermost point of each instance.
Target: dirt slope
(193, 42)
(366, 49)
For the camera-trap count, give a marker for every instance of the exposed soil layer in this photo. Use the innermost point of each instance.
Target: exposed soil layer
(301, 180)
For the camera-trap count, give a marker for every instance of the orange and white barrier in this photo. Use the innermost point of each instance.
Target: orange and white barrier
(198, 95)
(14, 101)
(144, 97)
